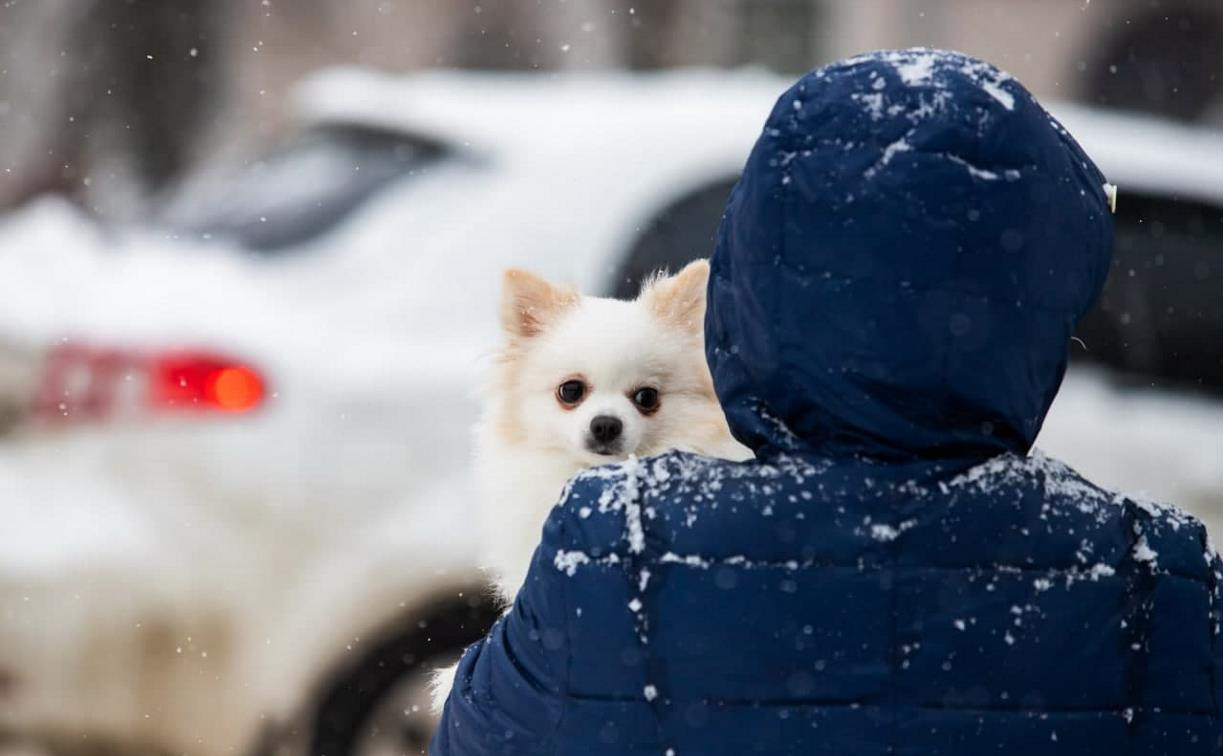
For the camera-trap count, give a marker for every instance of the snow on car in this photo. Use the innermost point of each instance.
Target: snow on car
(197, 580)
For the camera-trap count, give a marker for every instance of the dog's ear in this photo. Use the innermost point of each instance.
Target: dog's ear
(529, 303)
(680, 299)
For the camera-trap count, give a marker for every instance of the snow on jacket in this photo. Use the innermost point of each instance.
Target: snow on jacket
(894, 287)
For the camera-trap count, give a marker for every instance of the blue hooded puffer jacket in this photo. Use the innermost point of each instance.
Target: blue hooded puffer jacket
(894, 288)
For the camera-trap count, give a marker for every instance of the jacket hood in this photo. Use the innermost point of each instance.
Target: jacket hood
(902, 263)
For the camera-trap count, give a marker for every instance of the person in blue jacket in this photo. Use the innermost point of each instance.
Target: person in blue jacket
(893, 292)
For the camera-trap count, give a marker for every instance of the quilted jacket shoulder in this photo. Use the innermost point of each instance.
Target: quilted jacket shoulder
(805, 607)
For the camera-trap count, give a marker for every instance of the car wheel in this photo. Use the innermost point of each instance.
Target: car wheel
(380, 705)
(403, 722)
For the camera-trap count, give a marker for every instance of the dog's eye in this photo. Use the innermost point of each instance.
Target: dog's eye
(646, 399)
(571, 392)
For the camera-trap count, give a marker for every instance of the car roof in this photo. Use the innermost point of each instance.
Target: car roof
(498, 112)
(495, 112)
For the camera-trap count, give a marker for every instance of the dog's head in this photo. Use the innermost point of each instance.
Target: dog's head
(600, 379)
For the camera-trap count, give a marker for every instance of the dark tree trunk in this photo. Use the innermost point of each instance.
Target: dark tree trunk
(651, 25)
(1167, 61)
(153, 71)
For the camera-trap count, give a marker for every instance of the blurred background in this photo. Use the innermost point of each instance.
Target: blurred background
(249, 257)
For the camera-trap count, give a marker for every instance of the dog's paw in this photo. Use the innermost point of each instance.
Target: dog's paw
(440, 685)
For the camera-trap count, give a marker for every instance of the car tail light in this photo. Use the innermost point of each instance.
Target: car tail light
(192, 380)
(89, 383)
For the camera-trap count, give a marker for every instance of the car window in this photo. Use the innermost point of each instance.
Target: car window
(1161, 313)
(680, 233)
(302, 189)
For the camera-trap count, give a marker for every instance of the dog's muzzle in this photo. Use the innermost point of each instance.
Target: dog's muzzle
(605, 435)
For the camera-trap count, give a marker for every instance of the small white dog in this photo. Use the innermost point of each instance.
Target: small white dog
(585, 381)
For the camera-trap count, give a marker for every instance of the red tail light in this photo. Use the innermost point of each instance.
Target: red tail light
(192, 380)
(88, 383)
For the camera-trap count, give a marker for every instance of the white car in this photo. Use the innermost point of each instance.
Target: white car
(210, 575)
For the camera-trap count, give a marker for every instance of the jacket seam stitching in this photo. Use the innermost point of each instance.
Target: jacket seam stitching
(568, 687)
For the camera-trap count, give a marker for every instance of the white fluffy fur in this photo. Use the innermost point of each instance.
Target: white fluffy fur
(528, 445)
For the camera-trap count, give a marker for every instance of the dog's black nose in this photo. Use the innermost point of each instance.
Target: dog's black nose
(606, 428)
